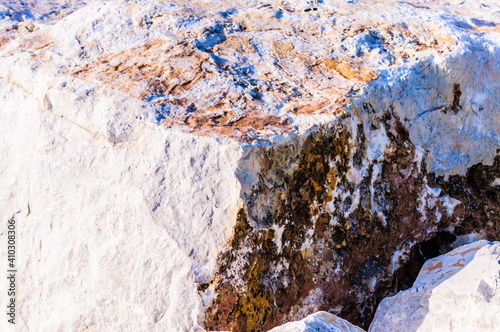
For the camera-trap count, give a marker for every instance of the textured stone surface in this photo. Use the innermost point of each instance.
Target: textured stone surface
(454, 292)
(319, 321)
(237, 164)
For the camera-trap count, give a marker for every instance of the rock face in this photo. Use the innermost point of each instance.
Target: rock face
(319, 321)
(454, 292)
(233, 165)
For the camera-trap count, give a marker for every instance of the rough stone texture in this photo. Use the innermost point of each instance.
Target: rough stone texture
(111, 236)
(454, 292)
(239, 164)
(319, 321)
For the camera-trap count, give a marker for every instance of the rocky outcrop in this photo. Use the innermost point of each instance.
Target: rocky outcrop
(319, 321)
(234, 166)
(454, 292)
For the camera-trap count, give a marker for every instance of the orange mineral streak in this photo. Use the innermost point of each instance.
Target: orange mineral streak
(436, 266)
(156, 69)
(150, 69)
(4, 40)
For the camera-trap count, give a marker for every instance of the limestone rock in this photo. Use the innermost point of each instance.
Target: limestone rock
(219, 165)
(319, 321)
(457, 291)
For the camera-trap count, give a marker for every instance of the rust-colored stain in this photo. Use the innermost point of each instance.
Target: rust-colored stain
(349, 72)
(36, 41)
(463, 253)
(438, 265)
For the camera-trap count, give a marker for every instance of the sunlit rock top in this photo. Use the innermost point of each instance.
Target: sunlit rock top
(245, 69)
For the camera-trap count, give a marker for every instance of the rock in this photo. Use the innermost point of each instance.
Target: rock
(227, 165)
(453, 292)
(319, 321)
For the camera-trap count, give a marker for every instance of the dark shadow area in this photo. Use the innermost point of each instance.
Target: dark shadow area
(405, 276)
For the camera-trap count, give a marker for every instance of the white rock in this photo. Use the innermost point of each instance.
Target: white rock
(319, 321)
(458, 291)
(123, 158)
(111, 230)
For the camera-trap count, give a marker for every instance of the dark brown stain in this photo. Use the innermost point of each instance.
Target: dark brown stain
(455, 105)
(370, 221)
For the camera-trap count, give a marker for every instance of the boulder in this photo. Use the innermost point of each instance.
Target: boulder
(457, 291)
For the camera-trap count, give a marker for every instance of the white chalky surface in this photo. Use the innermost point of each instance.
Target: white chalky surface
(124, 196)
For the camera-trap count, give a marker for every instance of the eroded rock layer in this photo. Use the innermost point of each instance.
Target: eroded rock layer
(346, 218)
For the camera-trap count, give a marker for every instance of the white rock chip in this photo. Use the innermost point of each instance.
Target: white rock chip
(319, 321)
(112, 236)
(458, 291)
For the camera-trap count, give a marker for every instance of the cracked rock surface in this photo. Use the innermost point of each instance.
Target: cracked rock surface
(236, 165)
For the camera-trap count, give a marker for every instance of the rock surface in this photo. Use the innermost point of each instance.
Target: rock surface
(454, 292)
(319, 321)
(239, 164)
